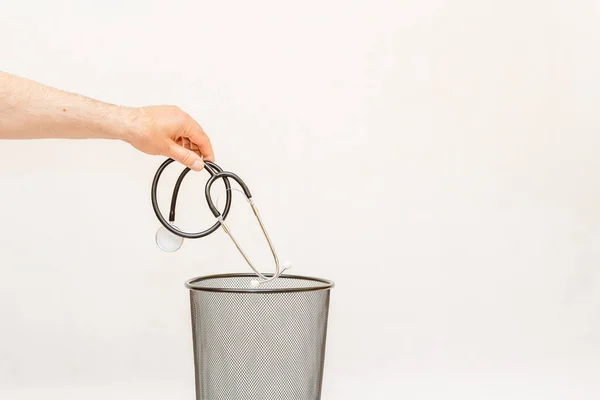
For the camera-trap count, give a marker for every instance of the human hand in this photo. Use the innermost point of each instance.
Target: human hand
(170, 132)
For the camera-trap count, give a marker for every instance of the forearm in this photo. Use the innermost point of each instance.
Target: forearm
(30, 110)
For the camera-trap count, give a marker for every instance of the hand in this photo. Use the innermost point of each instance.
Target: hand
(170, 132)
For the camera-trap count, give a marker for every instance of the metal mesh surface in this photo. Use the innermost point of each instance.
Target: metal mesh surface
(259, 345)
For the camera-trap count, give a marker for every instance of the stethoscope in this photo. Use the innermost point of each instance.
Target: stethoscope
(170, 238)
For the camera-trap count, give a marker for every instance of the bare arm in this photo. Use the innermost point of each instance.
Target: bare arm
(30, 110)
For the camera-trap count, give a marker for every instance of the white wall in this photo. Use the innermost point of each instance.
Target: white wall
(438, 160)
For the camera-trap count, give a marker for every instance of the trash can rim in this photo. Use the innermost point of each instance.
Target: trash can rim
(326, 284)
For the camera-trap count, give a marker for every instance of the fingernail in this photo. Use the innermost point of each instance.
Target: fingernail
(197, 165)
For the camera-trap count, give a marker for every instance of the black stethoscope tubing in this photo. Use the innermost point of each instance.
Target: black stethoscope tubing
(216, 172)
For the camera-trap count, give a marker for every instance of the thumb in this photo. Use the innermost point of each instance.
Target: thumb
(186, 157)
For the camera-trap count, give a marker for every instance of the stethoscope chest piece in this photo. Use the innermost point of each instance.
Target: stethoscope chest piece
(168, 241)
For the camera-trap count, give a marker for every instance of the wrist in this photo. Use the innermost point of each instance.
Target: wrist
(128, 125)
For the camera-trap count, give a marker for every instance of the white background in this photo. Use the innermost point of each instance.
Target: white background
(437, 159)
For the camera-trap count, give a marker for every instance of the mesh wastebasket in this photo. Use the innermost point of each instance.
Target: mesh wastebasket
(265, 343)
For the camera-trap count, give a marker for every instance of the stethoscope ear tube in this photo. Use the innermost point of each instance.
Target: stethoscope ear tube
(225, 175)
(212, 169)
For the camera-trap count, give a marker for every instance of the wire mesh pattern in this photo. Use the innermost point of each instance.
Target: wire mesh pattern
(259, 345)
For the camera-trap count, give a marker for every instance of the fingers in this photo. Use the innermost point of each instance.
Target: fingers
(187, 144)
(185, 156)
(200, 141)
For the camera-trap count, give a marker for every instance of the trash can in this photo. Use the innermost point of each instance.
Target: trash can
(259, 343)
